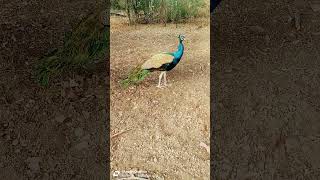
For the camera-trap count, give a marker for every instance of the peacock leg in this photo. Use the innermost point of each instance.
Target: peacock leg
(165, 78)
(160, 77)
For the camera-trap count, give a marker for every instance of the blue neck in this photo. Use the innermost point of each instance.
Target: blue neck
(178, 54)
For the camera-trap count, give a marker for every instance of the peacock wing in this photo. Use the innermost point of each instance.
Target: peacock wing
(158, 60)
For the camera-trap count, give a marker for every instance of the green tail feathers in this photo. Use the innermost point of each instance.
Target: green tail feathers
(135, 76)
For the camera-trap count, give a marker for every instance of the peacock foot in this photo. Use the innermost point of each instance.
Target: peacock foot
(159, 86)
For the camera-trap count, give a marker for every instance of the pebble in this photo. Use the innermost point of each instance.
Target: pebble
(86, 114)
(82, 145)
(23, 143)
(5, 125)
(315, 6)
(296, 42)
(316, 33)
(60, 118)
(45, 176)
(267, 39)
(65, 84)
(257, 29)
(15, 142)
(73, 83)
(8, 137)
(33, 163)
(17, 151)
(78, 132)
(86, 138)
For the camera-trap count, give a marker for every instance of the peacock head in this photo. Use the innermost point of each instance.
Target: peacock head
(181, 37)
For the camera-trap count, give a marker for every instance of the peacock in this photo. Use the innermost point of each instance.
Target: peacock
(163, 62)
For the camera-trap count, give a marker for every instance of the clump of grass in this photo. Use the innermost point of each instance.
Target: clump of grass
(85, 45)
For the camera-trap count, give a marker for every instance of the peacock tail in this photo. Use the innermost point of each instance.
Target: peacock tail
(135, 76)
(86, 45)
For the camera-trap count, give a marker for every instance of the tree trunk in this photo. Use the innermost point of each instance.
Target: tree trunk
(177, 14)
(128, 11)
(163, 12)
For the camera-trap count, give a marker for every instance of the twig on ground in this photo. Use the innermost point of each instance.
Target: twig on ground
(205, 146)
(119, 133)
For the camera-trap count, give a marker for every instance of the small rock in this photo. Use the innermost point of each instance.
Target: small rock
(86, 114)
(23, 143)
(297, 21)
(45, 176)
(33, 163)
(82, 145)
(17, 151)
(14, 39)
(85, 138)
(296, 42)
(5, 125)
(73, 83)
(155, 159)
(316, 33)
(8, 137)
(315, 6)
(229, 70)
(65, 84)
(15, 142)
(29, 174)
(257, 29)
(78, 132)
(104, 113)
(290, 19)
(3, 45)
(60, 118)
(205, 146)
(72, 95)
(267, 39)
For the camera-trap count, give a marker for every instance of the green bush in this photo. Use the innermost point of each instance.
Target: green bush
(152, 11)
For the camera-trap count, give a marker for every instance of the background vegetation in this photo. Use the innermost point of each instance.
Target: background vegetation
(161, 11)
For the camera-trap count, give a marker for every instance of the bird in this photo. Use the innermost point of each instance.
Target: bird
(162, 62)
(214, 4)
(82, 48)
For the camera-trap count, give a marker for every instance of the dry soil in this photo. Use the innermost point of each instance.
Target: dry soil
(166, 125)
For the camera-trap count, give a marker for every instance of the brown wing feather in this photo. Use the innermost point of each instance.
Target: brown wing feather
(157, 61)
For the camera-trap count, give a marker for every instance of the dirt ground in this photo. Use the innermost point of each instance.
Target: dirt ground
(48, 133)
(166, 125)
(265, 81)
